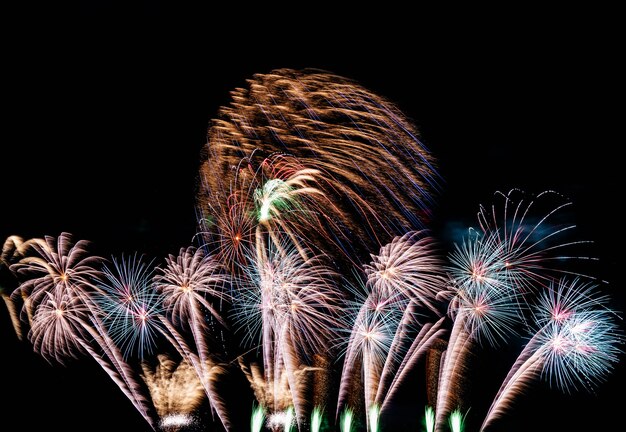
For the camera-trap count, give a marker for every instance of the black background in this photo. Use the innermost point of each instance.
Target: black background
(105, 114)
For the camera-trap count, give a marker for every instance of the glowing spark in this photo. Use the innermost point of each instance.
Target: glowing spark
(456, 421)
(429, 419)
(174, 387)
(372, 417)
(281, 419)
(258, 419)
(177, 420)
(289, 419)
(316, 419)
(346, 420)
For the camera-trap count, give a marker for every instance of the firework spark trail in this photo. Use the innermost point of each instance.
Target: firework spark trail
(346, 420)
(372, 319)
(60, 265)
(429, 419)
(427, 335)
(482, 308)
(575, 345)
(384, 341)
(316, 419)
(65, 318)
(117, 368)
(529, 229)
(525, 369)
(408, 266)
(174, 387)
(294, 303)
(453, 363)
(188, 282)
(333, 126)
(13, 250)
(390, 368)
(456, 421)
(258, 419)
(373, 417)
(130, 305)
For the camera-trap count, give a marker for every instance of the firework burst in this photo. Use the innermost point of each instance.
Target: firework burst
(64, 312)
(533, 233)
(576, 345)
(291, 304)
(130, 305)
(13, 250)
(385, 337)
(59, 266)
(409, 268)
(338, 133)
(192, 285)
(175, 391)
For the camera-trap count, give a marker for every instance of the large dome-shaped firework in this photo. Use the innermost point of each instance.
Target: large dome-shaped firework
(317, 157)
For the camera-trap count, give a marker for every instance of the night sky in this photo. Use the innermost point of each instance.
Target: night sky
(106, 118)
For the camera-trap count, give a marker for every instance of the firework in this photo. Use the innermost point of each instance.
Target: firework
(576, 346)
(60, 266)
(340, 134)
(130, 305)
(383, 345)
(13, 250)
(316, 419)
(289, 420)
(495, 274)
(532, 230)
(64, 315)
(482, 308)
(456, 421)
(58, 327)
(293, 304)
(305, 177)
(482, 300)
(385, 339)
(373, 415)
(189, 284)
(429, 419)
(408, 267)
(175, 390)
(233, 241)
(174, 422)
(345, 424)
(258, 419)
(286, 200)
(564, 298)
(57, 294)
